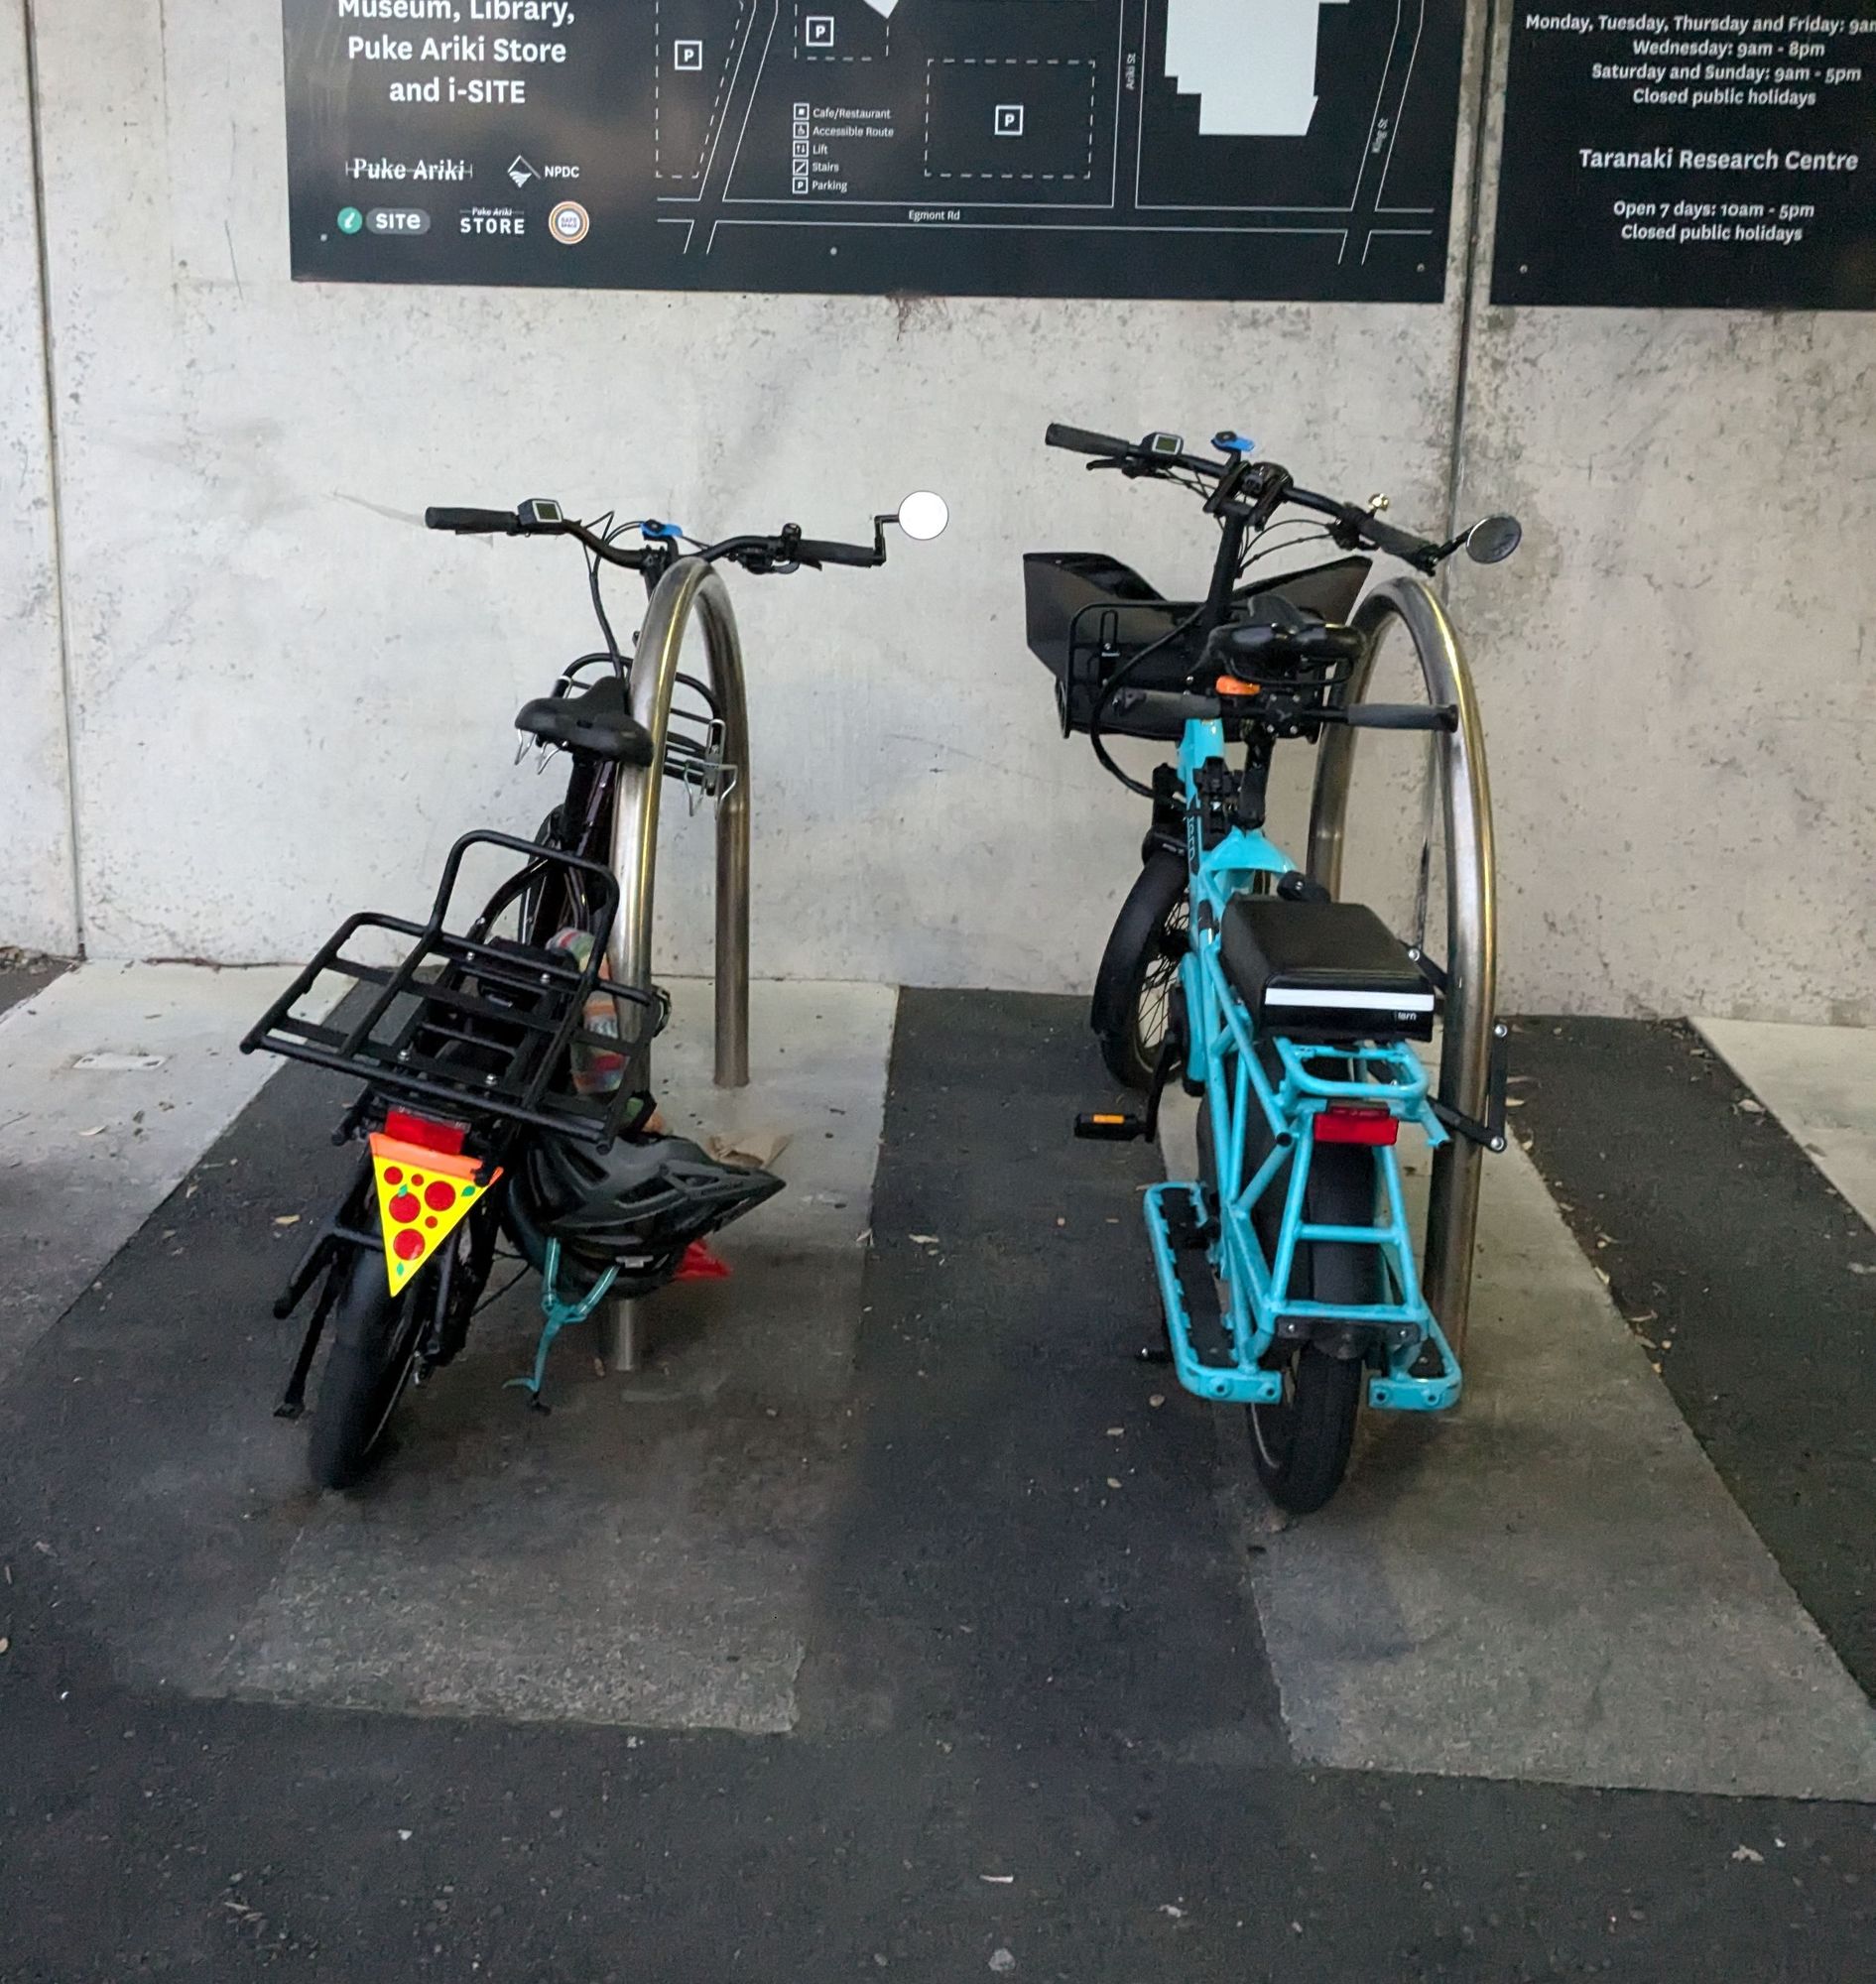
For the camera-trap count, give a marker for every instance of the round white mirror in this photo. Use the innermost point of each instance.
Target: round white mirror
(923, 514)
(1492, 538)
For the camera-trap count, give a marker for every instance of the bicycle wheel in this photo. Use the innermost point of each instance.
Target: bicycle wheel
(1300, 1444)
(1138, 979)
(374, 1346)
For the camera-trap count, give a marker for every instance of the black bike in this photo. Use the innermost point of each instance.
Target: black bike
(505, 1072)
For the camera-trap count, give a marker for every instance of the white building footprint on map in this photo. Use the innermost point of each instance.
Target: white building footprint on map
(1250, 62)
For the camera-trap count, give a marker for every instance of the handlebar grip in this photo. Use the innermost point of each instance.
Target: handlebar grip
(824, 552)
(1080, 440)
(481, 523)
(1403, 545)
(1401, 716)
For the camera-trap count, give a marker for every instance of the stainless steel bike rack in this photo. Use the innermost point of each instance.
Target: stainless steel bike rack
(1472, 1016)
(690, 586)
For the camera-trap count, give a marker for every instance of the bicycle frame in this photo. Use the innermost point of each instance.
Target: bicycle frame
(1228, 1056)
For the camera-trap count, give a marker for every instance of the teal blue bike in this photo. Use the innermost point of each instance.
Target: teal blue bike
(1287, 1267)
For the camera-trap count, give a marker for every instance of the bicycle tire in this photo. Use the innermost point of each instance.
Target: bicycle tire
(1138, 981)
(373, 1348)
(1300, 1446)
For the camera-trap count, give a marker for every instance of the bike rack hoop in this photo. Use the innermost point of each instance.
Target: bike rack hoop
(691, 587)
(1469, 1005)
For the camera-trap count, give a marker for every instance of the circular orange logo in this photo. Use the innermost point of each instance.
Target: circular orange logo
(569, 222)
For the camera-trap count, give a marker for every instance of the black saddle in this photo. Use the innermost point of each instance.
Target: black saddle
(594, 721)
(1323, 971)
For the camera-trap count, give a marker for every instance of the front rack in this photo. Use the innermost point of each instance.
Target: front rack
(475, 1025)
(1088, 616)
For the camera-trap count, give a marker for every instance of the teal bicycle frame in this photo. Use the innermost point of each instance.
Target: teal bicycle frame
(1240, 1071)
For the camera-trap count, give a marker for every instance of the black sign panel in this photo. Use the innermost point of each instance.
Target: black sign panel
(1102, 148)
(1715, 159)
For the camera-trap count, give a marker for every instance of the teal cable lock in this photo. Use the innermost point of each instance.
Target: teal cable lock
(557, 1313)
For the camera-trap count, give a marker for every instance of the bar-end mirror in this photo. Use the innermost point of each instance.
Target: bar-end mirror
(1492, 538)
(924, 515)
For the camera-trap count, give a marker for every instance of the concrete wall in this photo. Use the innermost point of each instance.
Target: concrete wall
(287, 698)
(37, 900)
(1679, 689)
(290, 699)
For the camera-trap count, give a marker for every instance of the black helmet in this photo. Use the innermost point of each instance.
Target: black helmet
(636, 1208)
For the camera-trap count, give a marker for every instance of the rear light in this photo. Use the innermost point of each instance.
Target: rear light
(1356, 1122)
(429, 1133)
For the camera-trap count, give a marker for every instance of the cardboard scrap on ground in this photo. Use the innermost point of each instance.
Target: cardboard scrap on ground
(747, 1147)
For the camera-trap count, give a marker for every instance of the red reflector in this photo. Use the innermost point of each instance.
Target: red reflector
(1356, 1122)
(406, 1127)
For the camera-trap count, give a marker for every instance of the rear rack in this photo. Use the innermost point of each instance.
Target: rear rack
(475, 1025)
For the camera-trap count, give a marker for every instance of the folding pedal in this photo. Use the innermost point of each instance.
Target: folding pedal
(1105, 1127)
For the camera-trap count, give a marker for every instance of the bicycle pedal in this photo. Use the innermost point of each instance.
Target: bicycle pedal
(1105, 1128)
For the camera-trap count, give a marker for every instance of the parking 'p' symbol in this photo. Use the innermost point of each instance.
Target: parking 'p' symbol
(687, 55)
(1008, 121)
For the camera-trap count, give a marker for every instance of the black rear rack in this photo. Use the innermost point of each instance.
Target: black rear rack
(476, 1025)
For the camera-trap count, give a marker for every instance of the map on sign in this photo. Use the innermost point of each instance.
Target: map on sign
(1181, 148)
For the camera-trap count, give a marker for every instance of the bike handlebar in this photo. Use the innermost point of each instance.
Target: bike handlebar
(1270, 486)
(482, 522)
(1421, 553)
(1081, 440)
(824, 551)
(784, 552)
(1401, 716)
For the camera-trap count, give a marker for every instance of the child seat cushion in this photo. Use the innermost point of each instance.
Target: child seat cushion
(1323, 971)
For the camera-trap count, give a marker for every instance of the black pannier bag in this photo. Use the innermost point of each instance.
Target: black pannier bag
(1088, 615)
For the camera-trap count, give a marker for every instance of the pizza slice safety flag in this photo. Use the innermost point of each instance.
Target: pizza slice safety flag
(423, 1196)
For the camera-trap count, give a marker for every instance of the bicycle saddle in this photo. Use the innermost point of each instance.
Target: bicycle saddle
(594, 721)
(1280, 634)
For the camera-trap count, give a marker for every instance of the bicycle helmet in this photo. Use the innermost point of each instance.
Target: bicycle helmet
(637, 1207)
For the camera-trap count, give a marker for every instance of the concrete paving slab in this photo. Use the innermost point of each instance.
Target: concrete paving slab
(1552, 1583)
(643, 1554)
(1821, 1083)
(1747, 1271)
(114, 1080)
(1042, 1725)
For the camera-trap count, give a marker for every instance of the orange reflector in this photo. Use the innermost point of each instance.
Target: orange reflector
(423, 1196)
(1230, 686)
(1107, 1119)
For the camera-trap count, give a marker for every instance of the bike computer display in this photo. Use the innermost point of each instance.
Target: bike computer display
(1164, 444)
(541, 510)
